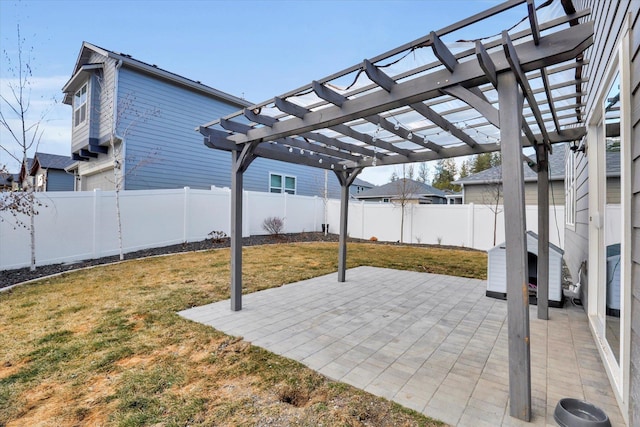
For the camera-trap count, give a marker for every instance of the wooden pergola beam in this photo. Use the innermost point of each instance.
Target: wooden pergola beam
(553, 49)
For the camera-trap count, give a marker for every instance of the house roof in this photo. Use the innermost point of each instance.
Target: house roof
(393, 189)
(82, 66)
(53, 161)
(494, 174)
(362, 183)
(6, 179)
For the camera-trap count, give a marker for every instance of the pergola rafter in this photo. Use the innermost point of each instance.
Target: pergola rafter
(502, 93)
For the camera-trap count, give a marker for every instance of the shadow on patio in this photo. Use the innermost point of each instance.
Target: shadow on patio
(429, 342)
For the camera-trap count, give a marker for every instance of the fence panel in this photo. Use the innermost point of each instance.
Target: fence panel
(80, 225)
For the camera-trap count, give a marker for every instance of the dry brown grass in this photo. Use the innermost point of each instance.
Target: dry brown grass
(105, 346)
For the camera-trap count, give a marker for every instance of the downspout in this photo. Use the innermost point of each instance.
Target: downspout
(114, 130)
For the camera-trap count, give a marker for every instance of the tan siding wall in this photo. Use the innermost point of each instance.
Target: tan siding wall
(102, 180)
(484, 195)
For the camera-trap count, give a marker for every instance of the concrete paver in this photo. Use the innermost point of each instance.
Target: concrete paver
(433, 343)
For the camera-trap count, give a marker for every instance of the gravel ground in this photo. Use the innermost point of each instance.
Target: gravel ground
(12, 277)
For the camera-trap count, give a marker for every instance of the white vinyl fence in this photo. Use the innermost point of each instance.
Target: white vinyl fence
(74, 226)
(455, 225)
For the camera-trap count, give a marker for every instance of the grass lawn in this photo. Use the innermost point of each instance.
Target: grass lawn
(105, 346)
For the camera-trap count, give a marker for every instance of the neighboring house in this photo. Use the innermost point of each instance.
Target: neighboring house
(413, 191)
(8, 181)
(48, 172)
(453, 197)
(485, 187)
(358, 186)
(602, 230)
(152, 115)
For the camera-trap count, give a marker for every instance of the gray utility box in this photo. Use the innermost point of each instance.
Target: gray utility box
(497, 271)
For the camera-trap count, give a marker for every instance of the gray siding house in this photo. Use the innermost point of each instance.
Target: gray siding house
(142, 119)
(602, 231)
(49, 172)
(483, 188)
(358, 186)
(408, 189)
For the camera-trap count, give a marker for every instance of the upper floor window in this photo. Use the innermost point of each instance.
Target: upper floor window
(80, 106)
(282, 184)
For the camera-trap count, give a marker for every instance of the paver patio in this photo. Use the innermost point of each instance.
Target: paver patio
(429, 342)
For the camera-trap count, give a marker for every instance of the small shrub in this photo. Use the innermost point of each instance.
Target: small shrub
(439, 238)
(273, 225)
(373, 238)
(418, 239)
(217, 236)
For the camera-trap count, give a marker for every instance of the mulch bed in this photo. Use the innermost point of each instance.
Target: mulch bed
(12, 277)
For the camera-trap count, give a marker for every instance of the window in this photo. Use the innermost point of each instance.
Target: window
(80, 106)
(570, 189)
(282, 183)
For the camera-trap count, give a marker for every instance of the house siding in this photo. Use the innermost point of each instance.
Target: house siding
(608, 17)
(480, 193)
(634, 410)
(164, 151)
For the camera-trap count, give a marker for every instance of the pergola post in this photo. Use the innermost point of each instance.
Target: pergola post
(543, 232)
(240, 160)
(346, 178)
(510, 99)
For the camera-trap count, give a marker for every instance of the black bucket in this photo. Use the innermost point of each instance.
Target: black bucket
(578, 413)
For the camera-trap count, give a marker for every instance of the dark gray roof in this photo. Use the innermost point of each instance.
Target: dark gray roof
(7, 178)
(153, 69)
(393, 189)
(494, 174)
(53, 161)
(362, 183)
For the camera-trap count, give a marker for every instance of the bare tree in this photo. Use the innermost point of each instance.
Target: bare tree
(406, 191)
(492, 198)
(26, 134)
(423, 173)
(127, 116)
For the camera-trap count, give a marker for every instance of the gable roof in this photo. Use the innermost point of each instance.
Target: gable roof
(392, 189)
(494, 174)
(82, 66)
(52, 161)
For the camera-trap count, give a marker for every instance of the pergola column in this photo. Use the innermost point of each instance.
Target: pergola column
(345, 178)
(510, 99)
(240, 161)
(543, 232)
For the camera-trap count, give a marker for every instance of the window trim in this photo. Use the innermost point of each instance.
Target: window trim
(283, 189)
(77, 109)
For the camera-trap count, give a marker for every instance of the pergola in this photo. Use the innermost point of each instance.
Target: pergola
(429, 100)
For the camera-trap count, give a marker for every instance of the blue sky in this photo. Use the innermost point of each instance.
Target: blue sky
(251, 49)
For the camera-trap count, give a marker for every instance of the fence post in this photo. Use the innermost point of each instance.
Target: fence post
(246, 230)
(471, 210)
(362, 214)
(96, 212)
(185, 216)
